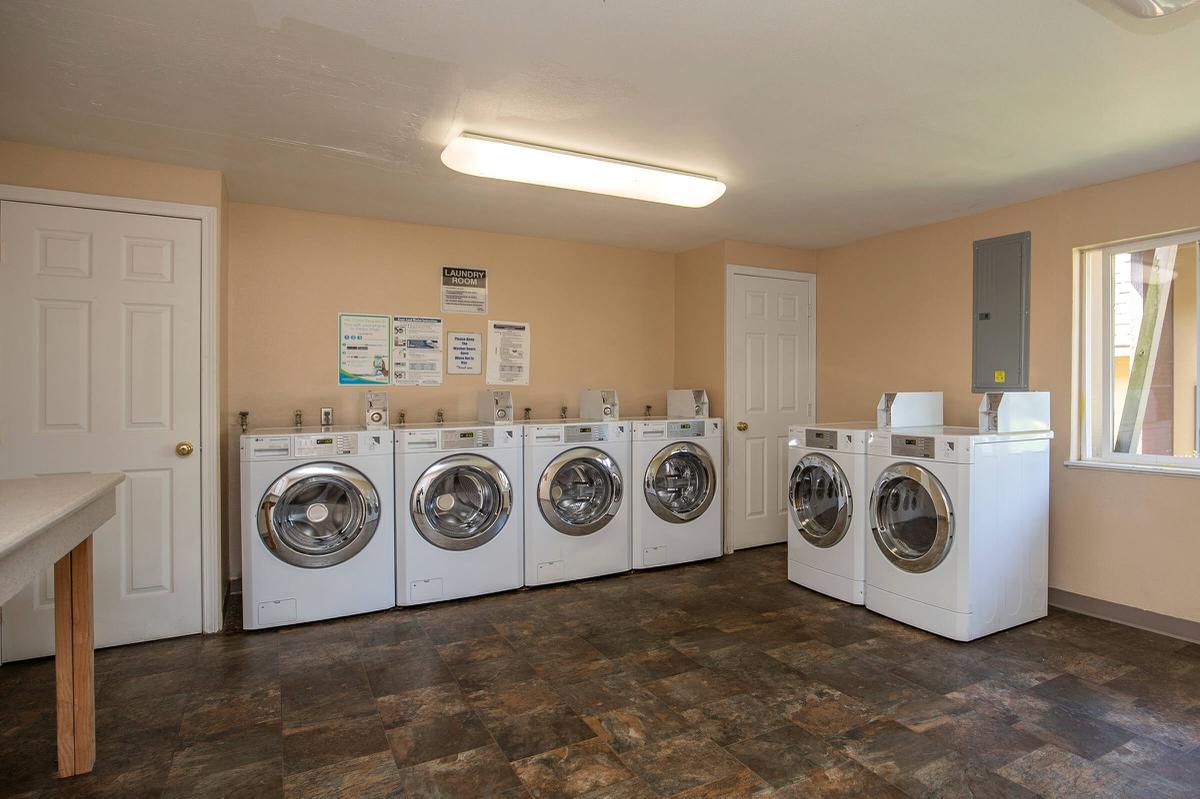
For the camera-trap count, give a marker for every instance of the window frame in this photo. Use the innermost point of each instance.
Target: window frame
(1095, 328)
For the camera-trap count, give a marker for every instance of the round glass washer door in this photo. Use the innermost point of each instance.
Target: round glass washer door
(911, 517)
(680, 482)
(461, 502)
(580, 491)
(318, 515)
(819, 500)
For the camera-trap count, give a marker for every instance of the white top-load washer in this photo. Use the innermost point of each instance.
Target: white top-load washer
(959, 528)
(318, 539)
(577, 478)
(677, 513)
(460, 529)
(827, 508)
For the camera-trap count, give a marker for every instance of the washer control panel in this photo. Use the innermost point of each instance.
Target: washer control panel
(325, 444)
(685, 429)
(467, 439)
(820, 439)
(576, 433)
(913, 446)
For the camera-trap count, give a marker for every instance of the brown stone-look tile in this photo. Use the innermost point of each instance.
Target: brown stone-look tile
(1071, 690)
(825, 711)
(1174, 728)
(588, 768)
(692, 688)
(323, 743)
(604, 693)
(1154, 688)
(805, 655)
(631, 726)
(421, 704)
(956, 775)
(1001, 700)
(216, 712)
(207, 758)
(261, 779)
(446, 632)
(990, 742)
(306, 699)
(1070, 728)
(926, 711)
(368, 777)
(387, 629)
(479, 772)
(474, 650)
(846, 778)
(493, 673)
(734, 718)
(629, 640)
(431, 738)
(943, 673)
(699, 640)
(654, 664)
(785, 754)
(1050, 771)
(742, 785)
(538, 730)
(677, 764)
(890, 749)
(1157, 759)
(503, 701)
(403, 671)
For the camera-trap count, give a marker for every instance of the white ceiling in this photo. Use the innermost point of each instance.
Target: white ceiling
(830, 120)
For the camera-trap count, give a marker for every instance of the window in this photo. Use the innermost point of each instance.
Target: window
(1139, 353)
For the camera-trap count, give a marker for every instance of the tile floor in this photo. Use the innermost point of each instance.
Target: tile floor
(711, 680)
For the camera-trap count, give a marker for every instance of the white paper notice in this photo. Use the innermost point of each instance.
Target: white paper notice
(464, 289)
(464, 354)
(362, 349)
(508, 353)
(416, 351)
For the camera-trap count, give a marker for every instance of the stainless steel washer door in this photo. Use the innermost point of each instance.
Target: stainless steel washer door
(911, 517)
(580, 491)
(318, 515)
(680, 482)
(819, 500)
(461, 502)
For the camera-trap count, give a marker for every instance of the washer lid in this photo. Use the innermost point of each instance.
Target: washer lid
(461, 502)
(680, 482)
(912, 518)
(580, 491)
(318, 515)
(819, 500)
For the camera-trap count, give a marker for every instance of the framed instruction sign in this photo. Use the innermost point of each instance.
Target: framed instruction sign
(464, 289)
(465, 355)
(364, 349)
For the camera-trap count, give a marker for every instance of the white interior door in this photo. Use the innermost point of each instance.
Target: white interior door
(771, 385)
(100, 352)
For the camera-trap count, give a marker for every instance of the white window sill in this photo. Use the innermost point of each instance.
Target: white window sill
(1136, 468)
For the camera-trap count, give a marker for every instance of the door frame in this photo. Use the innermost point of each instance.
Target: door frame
(732, 270)
(211, 594)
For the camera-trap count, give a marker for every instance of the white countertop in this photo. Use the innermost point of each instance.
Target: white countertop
(44, 518)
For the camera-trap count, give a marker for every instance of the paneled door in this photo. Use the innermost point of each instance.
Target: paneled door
(100, 352)
(771, 382)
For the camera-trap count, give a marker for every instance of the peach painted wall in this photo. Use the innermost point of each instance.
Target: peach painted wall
(895, 314)
(599, 316)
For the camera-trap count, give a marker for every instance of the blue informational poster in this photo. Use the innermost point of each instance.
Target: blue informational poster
(364, 349)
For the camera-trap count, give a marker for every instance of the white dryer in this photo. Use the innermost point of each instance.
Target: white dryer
(318, 539)
(576, 486)
(959, 528)
(678, 516)
(827, 508)
(458, 503)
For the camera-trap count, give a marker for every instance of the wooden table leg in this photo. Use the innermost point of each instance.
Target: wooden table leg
(74, 661)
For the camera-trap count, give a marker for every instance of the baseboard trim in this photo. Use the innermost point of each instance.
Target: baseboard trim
(1183, 629)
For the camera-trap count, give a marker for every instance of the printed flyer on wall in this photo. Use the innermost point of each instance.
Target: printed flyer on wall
(464, 289)
(508, 353)
(363, 352)
(465, 353)
(416, 351)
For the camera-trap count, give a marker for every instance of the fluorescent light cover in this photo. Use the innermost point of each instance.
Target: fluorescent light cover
(486, 157)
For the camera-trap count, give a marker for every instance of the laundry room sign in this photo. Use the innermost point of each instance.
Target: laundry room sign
(464, 289)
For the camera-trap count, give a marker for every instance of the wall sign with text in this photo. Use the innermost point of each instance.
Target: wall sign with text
(464, 289)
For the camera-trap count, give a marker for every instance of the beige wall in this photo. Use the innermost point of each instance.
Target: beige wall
(599, 316)
(894, 313)
(700, 308)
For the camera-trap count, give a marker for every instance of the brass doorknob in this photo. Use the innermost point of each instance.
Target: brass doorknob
(184, 448)
(742, 427)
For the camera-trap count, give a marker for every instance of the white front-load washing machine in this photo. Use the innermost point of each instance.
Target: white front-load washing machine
(677, 515)
(318, 540)
(460, 528)
(576, 486)
(827, 508)
(959, 528)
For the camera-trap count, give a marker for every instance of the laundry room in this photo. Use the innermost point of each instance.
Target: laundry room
(428, 400)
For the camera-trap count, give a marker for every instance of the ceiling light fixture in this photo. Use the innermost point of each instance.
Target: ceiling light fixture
(486, 157)
(1153, 8)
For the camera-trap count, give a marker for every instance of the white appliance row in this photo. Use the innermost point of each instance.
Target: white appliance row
(943, 528)
(341, 521)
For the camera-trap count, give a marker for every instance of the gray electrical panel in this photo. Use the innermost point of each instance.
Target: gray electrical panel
(1000, 329)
